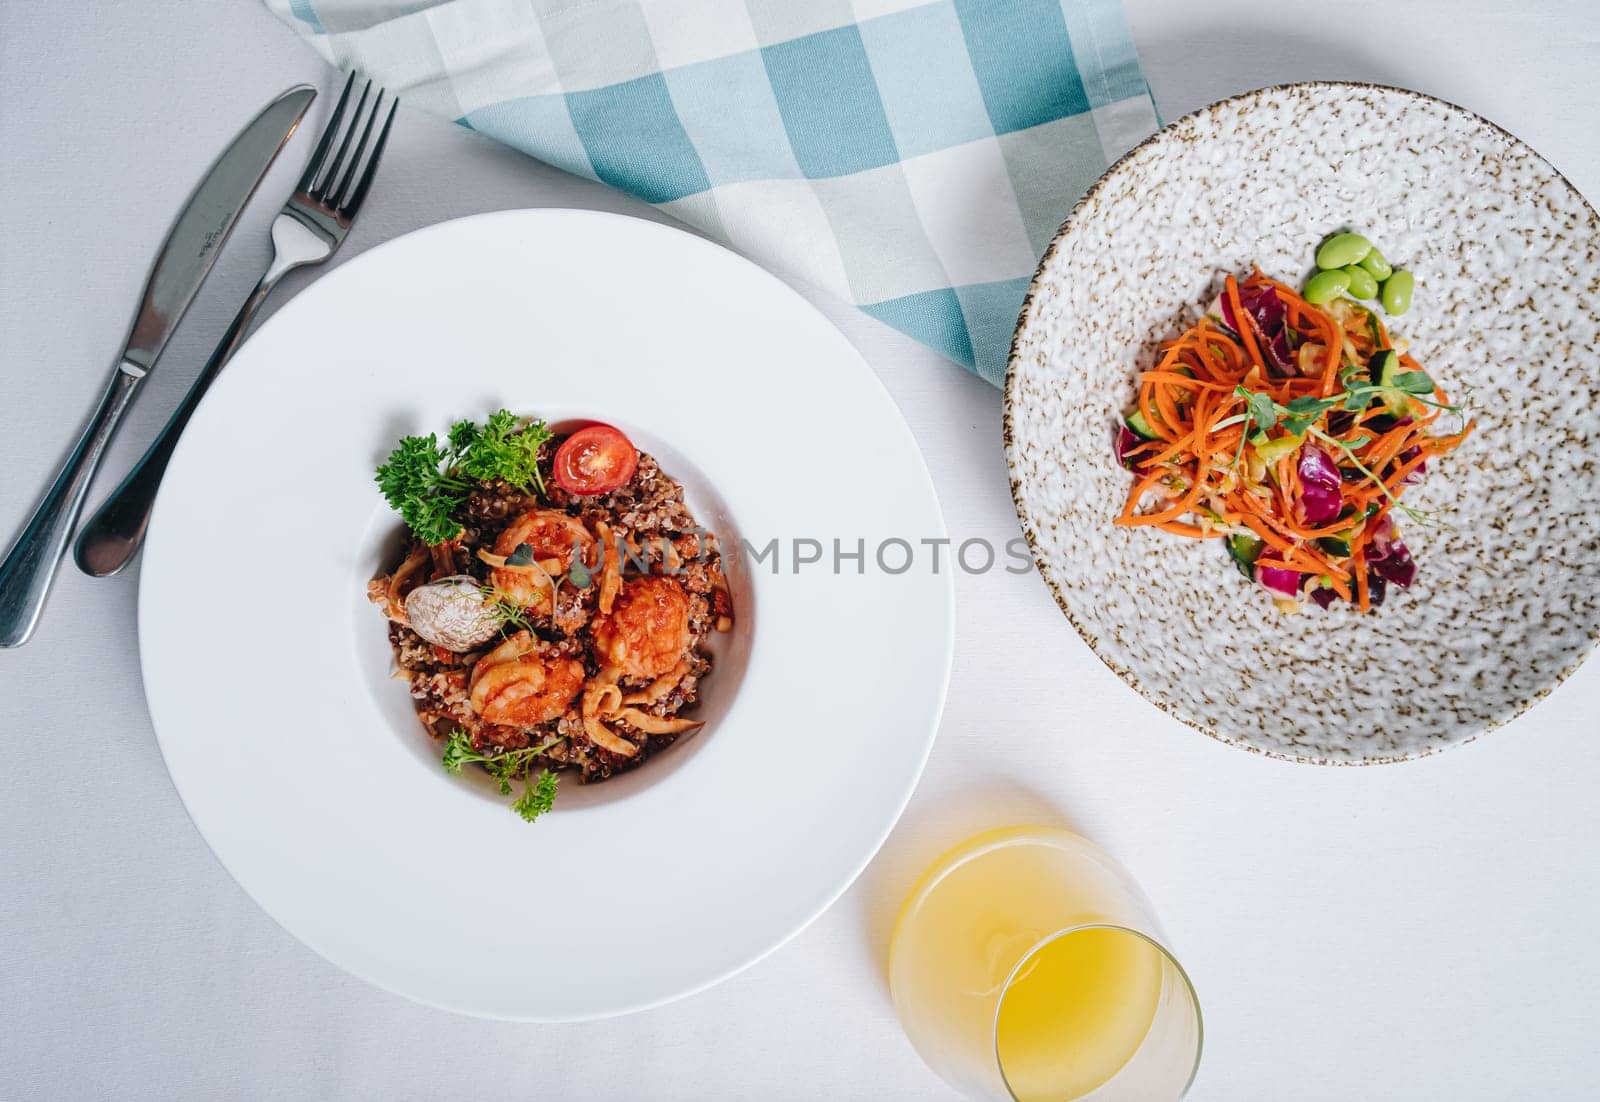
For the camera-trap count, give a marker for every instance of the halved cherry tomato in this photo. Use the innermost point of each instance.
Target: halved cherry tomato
(594, 460)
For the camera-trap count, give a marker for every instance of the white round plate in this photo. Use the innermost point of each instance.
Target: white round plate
(1507, 310)
(301, 761)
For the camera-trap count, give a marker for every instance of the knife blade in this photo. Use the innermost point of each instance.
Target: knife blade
(197, 236)
(181, 266)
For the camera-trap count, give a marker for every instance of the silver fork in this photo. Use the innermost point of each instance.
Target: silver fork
(311, 225)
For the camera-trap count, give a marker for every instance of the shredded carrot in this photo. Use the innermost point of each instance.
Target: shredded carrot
(1204, 456)
(1193, 531)
(1245, 324)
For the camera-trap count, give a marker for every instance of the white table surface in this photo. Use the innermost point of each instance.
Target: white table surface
(1420, 931)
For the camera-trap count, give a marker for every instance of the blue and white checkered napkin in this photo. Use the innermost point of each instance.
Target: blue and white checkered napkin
(913, 157)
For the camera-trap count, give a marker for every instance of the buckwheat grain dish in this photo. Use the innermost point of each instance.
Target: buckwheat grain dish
(552, 609)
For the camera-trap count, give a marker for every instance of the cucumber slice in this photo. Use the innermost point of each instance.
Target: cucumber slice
(1335, 546)
(1141, 428)
(1244, 550)
(1385, 369)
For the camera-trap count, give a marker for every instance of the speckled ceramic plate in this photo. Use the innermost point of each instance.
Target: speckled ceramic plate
(1507, 259)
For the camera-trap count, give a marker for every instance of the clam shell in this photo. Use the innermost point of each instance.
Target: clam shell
(452, 613)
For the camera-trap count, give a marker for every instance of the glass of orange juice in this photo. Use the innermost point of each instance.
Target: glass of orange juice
(1027, 965)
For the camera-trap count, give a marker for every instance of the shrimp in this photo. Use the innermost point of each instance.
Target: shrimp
(515, 686)
(550, 534)
(647, 631)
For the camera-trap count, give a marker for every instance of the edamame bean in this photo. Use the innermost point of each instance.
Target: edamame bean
(1342, 250)
(1362, 285)
(1324, 287)
(1397, 292)
(1376, 265)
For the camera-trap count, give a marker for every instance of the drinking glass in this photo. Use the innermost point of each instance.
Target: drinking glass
(1027, 965)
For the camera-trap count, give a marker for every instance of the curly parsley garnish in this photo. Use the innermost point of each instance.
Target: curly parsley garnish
(419, 491)
(507, 767)
(426, 482)
(537, 798)
(505, 447)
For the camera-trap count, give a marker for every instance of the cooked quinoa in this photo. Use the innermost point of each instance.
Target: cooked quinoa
(622, 647)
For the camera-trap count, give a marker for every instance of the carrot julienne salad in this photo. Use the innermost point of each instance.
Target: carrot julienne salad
(1288, 430)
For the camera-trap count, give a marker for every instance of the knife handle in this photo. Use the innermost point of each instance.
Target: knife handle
(30, 565)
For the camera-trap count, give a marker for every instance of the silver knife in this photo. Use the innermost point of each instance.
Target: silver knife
(181, 266)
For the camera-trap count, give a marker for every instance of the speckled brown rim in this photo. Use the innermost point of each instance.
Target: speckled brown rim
(1025, 318)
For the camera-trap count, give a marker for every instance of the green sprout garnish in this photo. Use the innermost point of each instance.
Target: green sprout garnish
(1299, 416)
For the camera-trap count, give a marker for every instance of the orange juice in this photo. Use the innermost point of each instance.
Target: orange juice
(1018, 968)
(1076, 1012)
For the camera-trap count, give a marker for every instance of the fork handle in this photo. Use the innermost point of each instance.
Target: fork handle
(113, 535)
(30, 565)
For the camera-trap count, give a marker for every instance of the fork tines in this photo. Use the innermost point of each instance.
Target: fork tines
(339, 188)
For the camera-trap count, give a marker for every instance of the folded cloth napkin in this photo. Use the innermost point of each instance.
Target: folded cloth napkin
(913, 157)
